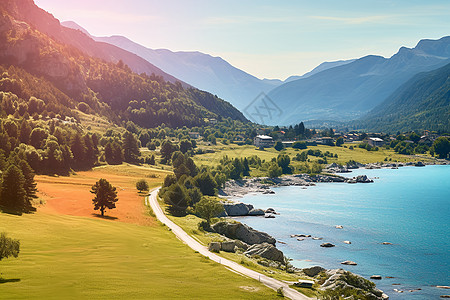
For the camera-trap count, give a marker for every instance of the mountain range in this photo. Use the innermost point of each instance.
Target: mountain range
(349, 91)
(336, 91)
(422, 103)
(206, 72)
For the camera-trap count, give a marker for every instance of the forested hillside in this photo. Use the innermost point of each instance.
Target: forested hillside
(423, 103)
(108, 88)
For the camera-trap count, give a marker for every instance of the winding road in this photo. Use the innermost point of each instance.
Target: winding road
(152, 201)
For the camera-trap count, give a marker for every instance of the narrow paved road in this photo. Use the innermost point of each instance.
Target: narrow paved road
(182, 235)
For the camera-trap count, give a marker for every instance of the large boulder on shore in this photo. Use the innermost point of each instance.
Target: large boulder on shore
(341, 279)
(228, 246)
(237, 209)
(256, 212)
(265, 250)
(313, 271)
(242, 232)
(214, 246)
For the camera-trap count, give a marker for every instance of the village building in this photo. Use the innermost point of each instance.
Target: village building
(194, 135)
(325, 141)
(263, 141)
(375, 142)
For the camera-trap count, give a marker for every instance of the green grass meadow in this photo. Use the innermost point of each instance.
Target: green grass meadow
(66, 257)
(344, 154)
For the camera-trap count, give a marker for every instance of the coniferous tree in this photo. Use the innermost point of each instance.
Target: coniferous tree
(130, 147)
(78, 148)
(176, 199)
(246, 168)
(206, 183)
(29, 184)
(105, 195)
(13, 194)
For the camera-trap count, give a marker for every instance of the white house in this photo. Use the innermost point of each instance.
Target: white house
(375, 142)
(263, 141)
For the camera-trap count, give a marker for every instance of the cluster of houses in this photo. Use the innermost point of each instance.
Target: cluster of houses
(374, 140)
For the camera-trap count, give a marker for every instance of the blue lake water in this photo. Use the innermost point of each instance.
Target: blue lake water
(409, 207)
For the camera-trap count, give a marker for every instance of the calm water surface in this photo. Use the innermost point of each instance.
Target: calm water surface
(409, 207)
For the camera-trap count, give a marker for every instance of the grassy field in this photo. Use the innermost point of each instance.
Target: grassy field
(68, 257)
(68, 252)
(344, 154)
(71, 195)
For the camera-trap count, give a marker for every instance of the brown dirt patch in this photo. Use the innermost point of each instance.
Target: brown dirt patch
(71, 195)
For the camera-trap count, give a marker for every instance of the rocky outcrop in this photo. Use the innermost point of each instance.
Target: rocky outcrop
(327, 178)
(243, 233)
(214, 246)
(237, 209)
(327, 245)
(363, 179)
(265, 250)
(313, 271)
(228, 246)
(336, 168)
(256, 212)
(340, 279)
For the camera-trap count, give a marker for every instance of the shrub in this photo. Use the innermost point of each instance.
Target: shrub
(299, 145)
(142, 185)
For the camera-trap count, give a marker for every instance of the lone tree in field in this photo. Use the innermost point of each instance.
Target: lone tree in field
(105, 195)
(142, 185)
(8, 246)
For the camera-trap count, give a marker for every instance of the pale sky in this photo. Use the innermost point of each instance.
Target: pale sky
(268, 39)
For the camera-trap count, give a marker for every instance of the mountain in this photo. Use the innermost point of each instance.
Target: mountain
(212, 74)
(349, 91)
(322, 67)
(27, 11)
(422, 103)
(66, 74)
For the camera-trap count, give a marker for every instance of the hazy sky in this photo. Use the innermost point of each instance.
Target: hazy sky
(269, 39)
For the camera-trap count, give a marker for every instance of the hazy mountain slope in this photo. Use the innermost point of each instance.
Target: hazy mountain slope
(349, 91)
(26, 10)
(421, 103)
(212, 74)
(110, 89)
(322, 67)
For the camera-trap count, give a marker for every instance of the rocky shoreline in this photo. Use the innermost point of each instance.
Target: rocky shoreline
(261, 185)
(234, 189)
(241, 238)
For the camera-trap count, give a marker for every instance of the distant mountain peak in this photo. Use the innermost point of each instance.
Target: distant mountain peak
(73, 25)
